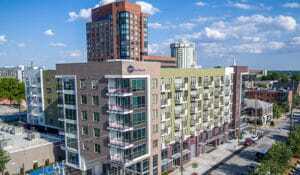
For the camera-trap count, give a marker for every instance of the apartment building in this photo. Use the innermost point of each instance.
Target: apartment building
(196, 110)
(118, 30)
(41, 97)
(185, 54)
(12, 72)
(127, 116)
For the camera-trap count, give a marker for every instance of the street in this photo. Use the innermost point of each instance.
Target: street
(230, 159)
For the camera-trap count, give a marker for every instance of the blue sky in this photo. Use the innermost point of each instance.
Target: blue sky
(258, 33)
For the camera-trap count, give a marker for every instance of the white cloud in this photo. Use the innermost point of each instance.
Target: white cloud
(291, 5)
(200, 4)
(251, 39)
(57, 45)
(21, 45)
(287, 22)
(74, 54)
(243, 6)
(155, 25)
(147, 7)
(49, 32)
(83, 14)
(214, 34)
(104, 2)
(275, 45)
(3, 39)
(296, 40)
(187, 25)
(284, 22)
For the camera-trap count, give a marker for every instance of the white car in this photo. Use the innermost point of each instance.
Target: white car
(254, 137)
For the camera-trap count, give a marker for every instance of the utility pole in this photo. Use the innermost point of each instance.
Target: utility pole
(255, 126)
(291, 110)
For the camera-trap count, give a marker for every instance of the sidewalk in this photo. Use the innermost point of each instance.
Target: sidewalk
(207, 161)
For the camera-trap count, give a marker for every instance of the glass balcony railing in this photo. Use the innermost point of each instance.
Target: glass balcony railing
(118, 109)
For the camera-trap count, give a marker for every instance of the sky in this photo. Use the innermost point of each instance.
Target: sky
(262, 34)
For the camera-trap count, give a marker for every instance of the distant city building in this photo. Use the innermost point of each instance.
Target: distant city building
(118, 30)
(12, 72)
(41, 97)
(185, 54)
(258, 110)
(28, 149)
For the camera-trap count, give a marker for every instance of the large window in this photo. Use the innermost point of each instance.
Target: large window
(70, 99)
(138, 84)
(139, 118)
(71, 128)
(84, 115)
(83, 99)
(96, 132)
(138, 101)
(96, 116)
(139, 134)
(97, 148)
(73, 158)
(69, 84)
(72, 143)
(70, 114)
(95, 100)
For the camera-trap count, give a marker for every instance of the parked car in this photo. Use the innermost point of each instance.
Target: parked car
(254, 138)
(248, 142)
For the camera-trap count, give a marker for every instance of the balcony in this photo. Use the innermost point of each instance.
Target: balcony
(116, 109)
(122, 92)
(119, 143)
(165, 116)
(165, 103)
(180, 100)
(195, 86)
(165, 88)
(195, 109)
(181, 86)
(117, 126)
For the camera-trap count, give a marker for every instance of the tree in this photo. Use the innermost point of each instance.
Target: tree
(296, 77)
(12, 89)
(277, 111)
(4, 159)
(296, 101)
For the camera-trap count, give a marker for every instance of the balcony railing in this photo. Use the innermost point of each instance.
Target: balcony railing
(165, 88)
(114, 125)
(116, 109)
(165, 103)
(119, 91)
(120, 143)
(180, 100)
(180, 86)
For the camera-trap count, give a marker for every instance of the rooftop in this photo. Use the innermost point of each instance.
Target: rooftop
(16, 138)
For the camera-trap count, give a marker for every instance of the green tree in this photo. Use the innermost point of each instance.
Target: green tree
(296, 77)
(296, 101)
(277, 111)
(12, 89)
(4, 159)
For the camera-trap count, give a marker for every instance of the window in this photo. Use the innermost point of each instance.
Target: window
(138, 101)
(83, 99)
(95, 100)
(139, 134)
(155, 160)
(138, 84)
(70, 114)
(85, 130)
(71, 142)
(82, 84)
(96, 132)
(71, 128)
(154, 83)
(96, 116)
(97, 148)
(70, 99)
(139, 118)
(94, 84)
(69, 84)
(155, 143)
(84, 115)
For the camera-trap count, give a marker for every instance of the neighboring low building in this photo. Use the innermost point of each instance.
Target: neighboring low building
(12, 72)
(258, 110)
(272, 96)
(41, 97)
(27, 149)
(128, 116)
(166, 62)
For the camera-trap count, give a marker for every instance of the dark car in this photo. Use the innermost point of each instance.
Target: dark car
(248, 142)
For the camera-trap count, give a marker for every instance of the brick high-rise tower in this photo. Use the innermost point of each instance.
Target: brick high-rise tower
(118, 31)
